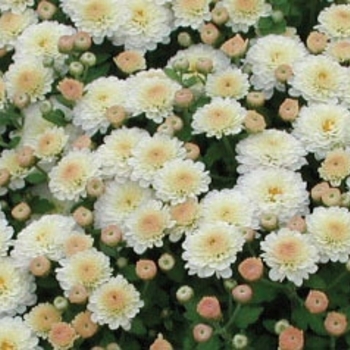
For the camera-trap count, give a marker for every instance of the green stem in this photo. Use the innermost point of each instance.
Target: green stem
(332, 343)
(228, 147)
(233, 317)
(40, 169)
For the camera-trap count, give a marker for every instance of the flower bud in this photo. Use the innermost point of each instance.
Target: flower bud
(209, 34)
(71, 89)
(166, 262)
(130, 61)
(291, 339)
(46, 107)
(40, 266)
(235, 47)
(204, 65)
(184, 294)
(25, 157)
(116, 115)
(283, 73)
(166, 129)
(146, 269)
(331, 197)
(249, 234)
(88, 59)
(316, 301)
(5, 177)
(21, 100)
(345, 200)
(254, 122)
(335, 323)
(78, 294)
(209, 308)
(84, 326)
(289, 110)
(160, 344)
(318, 190)
(219, 15)
(60, 303)
(269, 222)
(202, 332)
(251, 269)
(113, 346)
(239, 341)
(82, 41)
(229, 284)
(242, 293)
(181, 64)
(255, 99)
(21, 212)
(316, 42)
(281, 325)
(66, 44)
(297, 223)
(83, 216)
(111, 235)
(46, 10)
(184, 39)
(193, 150)
(174, 122)
(184, 98)
(76, 68)
(83, 141)
(277, 16)
(95, 187)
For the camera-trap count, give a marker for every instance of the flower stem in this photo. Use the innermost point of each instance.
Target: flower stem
(332, 343)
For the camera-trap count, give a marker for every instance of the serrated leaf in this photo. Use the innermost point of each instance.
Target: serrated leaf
(248, 315)
(56, 117)
(36, 177)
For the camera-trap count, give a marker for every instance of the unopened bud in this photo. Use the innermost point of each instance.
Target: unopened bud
(184, 294)
(146, 269)
(345, 200)
(21, 212)
(281, 325)
(184, 39)
(83, 142)
(46, 107)
(249, 234)
(331, 197)
(113, 346)
(5, 177)
(111, 235)
(283, 73)
(251, 269)
(255, 99)
(160, 344)
(254, 122)
(174, 122)
(209, 34)
(82, 41)
(95, 187)
(204, 65)
(202, 332)
(181, 64)
(316, 42)
(21, 100)
(25, 156)
(297, 223)
(76, 68)
(289, 110)
(60, 303)
(78, 294)
(235, 47)
(318, 190)
(122, 262)
(66, 44)
(277, 16)
(269, 222)
(88, 59)
(184, 98)
(166, 262)
(240, 341)
(166, 129)
(219, 15)
(242, 293)
(46, 10)
(40, 266)
(83, 216)
(71, 89)
(193, 150)
(229, 284)
(116, 115)
(130, 61)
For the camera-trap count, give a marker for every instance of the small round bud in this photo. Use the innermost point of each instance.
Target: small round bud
(21, 212)
(95, 187)
(60, 303)
(160, 344)
(209, 34)
(283, 73)
(166, 262)
(297, 223)
(111, 235)
(174, 122)
(116, 115)
(316, 42)
(291, 338)
(219, 15)
(277, 16)
(82, 41)
(97, 348)
(249, 234)
(166, 129)
(88, 59)
(209, 308)
(78, 294)
(240, 341)
(251, 269)
(184, 39)
(76, 68)
(184, 294)
(46, 107)
(204, 65)
(289, 110)
(316, 301)
(71, 89)
(83, 141)
(281, 325)
(66, 44)
(83, 216)
(181, 64)
(5, 177)
(202, 332)
(318, 190)
(40, 266)
(242, 293)
(235, 47)
(146, 269)
(130, 61)
(21, 100)
(331, 197)
(269, 222)
(122, 262)
(229, 284)
(335, 323)
(254, 122)
(184, 98)
(46, 10)
(193, 150)
(255, 99)
(25, 156)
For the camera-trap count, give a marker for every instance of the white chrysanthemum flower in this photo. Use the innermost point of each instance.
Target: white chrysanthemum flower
(290, 255)
(275, 191)
(28, 77)
(181, 179)
(15, 334)
(191, 13)
(147, 226)
(118, 202)
(68, 179)
(15, 6)
(270, 148)
(318, 79)
(12, 25)
(40, 41)
(115, 303)
(150, 155)
(90, 111)
(3, 98)
(212, 249)
(323, 127)
(116, 151)
(147, 25)
(245, 13)
(17, 289)
(99, 18)
(334, 21)
(43, 237)
(218, 118)
(229, 206)
(49, 144)
(89, 268)
(330, 231)
(267, 54)
(153, 94)
(6, 233)
(231, 82)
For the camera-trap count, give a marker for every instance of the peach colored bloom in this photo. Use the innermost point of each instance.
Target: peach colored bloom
(111, 235)
(202, 332)
(331, 197)
(77, 242)
(160, 344)
(71, 89)
(62, 336)
(40, 266)
(78, 294)
(209, 307)
(146, 269)
(209, 34)
(251, 269)
(83, 325)
(130, 61)
(336, 323)
(297, 223)
(316, 301)
(316, 42)
(235, 46)
(289, 109)
(318, 190)
(21, 211)
(83, 216)
(242, 293)
(291, 339)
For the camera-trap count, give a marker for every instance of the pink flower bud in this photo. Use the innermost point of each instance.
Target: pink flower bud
(193, 150)
(235, 47)
(316, 301)
(297, 223)
(83, 216)
(65, 44)
(21, 212)
(209, 34)
(255, 99)
(5, 177)
(289, 110)
(40, 266)
(242, 293)
(209, 308)
(71, 89)
(291, 339)
(254, 122)
(146, 269)
(111, 235)
(174, 122)
(202, 332)
(318, 190)
(336, 323)
(251, 269)
(219, 15)
(184, 98)
(331, 197)
(204, 65)
(316, 42)
(21, 100)
(95, 187)
(78, 295)
(160, 344)
(283, 73)
(25, 156)
(46, 10)
(82, 41)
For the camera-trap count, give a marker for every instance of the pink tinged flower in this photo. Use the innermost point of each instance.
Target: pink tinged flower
(62, 335)
(209, 308)
(291, 338)
(316, 301)
(202, 332)
(242, 293)
(251, 269)
(146, 269)
(335, 323)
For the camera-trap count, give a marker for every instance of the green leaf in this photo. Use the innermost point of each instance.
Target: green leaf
(214, 153)
(137, 327)
(315, 282)
(316, 324)
(97, 72)
(41, 206)
(109, 251)
(191, 81)
(211, 344)
(7, 117)
(172, 75)
(14, 142)
(36, 177)
(248, 315)
(300, 317)
(56, 117)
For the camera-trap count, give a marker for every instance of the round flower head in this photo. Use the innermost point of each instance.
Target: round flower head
(334, 21)
(17, 288)
(275, 191)
(269, 53)
(339, 50)
(191, 13)
(62, 336)
(43, 237)
(89, 268)
(318, 79)
(116, 151)
(18, 6)
(330, 231)
(316, 301)
(90, 111)
(130, 61)
(147, 226)
(228, 206)
(245, 13)
(150, 155)
(212, 249)
(28, 77)
(291, 339)
(336, 323)
(15, 334)
(336, 167)
(146, 25)
(6, 233)
(323, 127)
(68, 179)
(220, 117)
(270, 148)
(180, 180)
(230, 82)
(289, 255)
(12, 25)
(83, 325)
(118, 202)
(152, 93)
(99, 18)
(41, 318)
(115, 303)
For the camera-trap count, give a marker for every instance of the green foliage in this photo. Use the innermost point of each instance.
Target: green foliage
(248, 315)
(56, 117)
